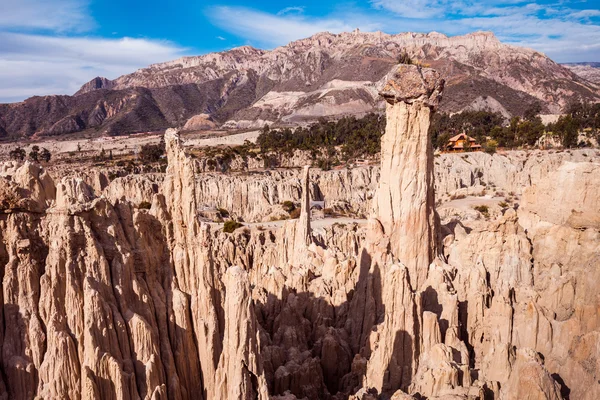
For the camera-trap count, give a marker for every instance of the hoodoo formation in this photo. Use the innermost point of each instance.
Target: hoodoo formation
(104, 299)
(405, 197)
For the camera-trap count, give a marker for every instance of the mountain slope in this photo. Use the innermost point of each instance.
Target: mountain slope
(587, 70)
(324, 75)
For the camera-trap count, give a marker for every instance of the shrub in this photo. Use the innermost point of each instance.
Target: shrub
(483, 210)
(152, 152)
(17, 154)
(503, 204)
(490, 146)
(288, 206)
(324, 164)
(295, 213)
(223, 212)
(144, 205)
(230, 226)
(404, 58)
(45, 155)
(34, 154)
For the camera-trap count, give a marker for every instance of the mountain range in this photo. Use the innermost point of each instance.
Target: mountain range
(326, 75)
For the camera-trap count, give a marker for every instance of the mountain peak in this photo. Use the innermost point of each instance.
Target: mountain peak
(97, 83)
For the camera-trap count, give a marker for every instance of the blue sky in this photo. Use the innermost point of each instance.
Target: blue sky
(54, 46)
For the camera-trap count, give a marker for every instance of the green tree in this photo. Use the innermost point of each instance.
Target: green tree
(442, 140)
(567, 128)
(530, 131)
(533, 111)
(17, 154)
(490, 146)
(467, 145)
(45, 155)
(152, 152)
(34, 154)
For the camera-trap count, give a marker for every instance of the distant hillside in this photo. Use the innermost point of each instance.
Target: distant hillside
(325, 75)
(587, 70)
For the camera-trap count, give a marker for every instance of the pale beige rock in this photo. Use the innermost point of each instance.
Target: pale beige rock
(133, 188)
(405, 198)
(199, 122)
(191, 258)
(576, 204)
(102, 299)
(240, 375)
(392, 362)
(304, 231)
(529, 379)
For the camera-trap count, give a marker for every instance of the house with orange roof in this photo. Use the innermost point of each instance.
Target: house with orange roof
(459, 143)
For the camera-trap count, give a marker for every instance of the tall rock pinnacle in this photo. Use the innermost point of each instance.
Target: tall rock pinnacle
(191, 255)
(304, 231)
(405, 198)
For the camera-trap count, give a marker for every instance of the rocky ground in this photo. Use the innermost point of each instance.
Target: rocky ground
(442, 277)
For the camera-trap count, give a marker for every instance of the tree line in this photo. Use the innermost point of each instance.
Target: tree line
(36, 154)
(489, 128)
(352, 138)
(346, 138)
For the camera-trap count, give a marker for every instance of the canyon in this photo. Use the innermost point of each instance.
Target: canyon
(420, 295)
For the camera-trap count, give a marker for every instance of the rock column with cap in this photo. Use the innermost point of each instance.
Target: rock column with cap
(405, 197)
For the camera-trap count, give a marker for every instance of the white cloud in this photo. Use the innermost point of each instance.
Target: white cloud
(291, 10)
(53, 15)
(412, 8)
(276, 30)
(45, 58)
(585, 14)
(41, 65)
(563, 39)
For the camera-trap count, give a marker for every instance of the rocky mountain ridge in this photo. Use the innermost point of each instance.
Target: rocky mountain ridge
(324, 75)
(587, 70)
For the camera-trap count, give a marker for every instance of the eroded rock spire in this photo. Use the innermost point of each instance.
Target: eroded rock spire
(405, 199)
(304, 230)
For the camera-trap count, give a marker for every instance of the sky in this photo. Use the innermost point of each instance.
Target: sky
(55, 46)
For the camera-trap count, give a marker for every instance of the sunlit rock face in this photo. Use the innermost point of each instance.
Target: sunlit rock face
(103, 299)
(405, 198)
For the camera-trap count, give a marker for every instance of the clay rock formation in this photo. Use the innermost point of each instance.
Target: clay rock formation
(405, 204)
(104, 299)
(25, 187)
(257, 197)
(240, 374)
(199, 122)
(575, 205)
